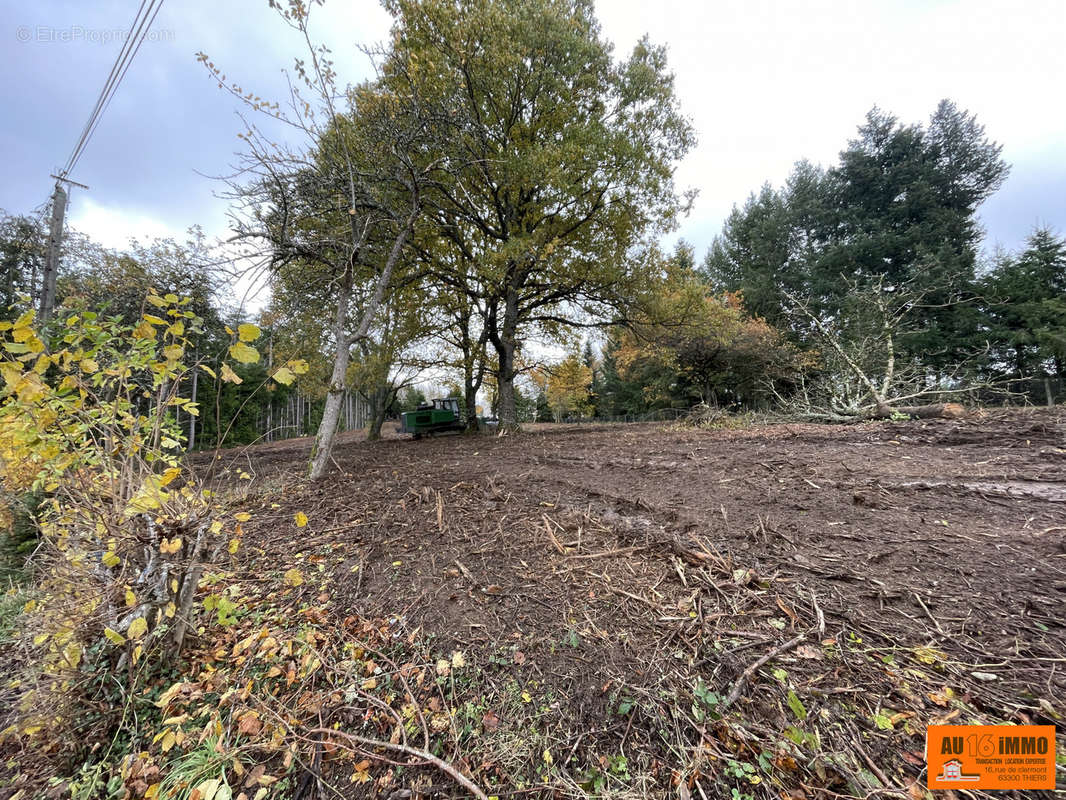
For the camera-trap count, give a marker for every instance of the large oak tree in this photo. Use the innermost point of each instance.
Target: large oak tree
(560, 159)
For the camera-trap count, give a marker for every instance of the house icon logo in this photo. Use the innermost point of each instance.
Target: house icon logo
(952, 771)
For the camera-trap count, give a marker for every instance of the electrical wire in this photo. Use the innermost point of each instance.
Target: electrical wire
(142, 23)
(103, 92)
(147, 26)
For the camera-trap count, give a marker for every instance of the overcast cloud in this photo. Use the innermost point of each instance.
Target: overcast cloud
(766, 82)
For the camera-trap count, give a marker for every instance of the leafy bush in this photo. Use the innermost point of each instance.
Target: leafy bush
(87, 420)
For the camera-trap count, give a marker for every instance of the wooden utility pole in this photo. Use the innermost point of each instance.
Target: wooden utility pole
(55, 241)
(51, 258)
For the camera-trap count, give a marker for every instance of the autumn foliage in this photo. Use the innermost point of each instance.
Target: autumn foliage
(693, 345)
(126, 531)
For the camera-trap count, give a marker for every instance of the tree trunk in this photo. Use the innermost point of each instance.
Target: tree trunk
(507, 407)
(929, 411)
(472, 424)
(505, 350)
(379, 401)
(322, 450)
(472, 380)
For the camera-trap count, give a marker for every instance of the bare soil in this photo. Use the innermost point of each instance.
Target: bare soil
(635, 573)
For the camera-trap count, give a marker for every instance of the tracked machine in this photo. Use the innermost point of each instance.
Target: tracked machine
(429, 419)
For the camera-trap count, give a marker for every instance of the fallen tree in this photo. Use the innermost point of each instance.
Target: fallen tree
(863, 375)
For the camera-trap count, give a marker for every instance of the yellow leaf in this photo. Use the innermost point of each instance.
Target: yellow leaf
(548, 758)
(245, 354)
(144, 331)
(111, 560)
(242, 516)
(72, 655)
(154, 320)
(229, 376)
(158, 302)
(247, 332)
(929, 655)
(208, 370)
(234, 545)
(131, 598)
(216, 527)
(153, 790)
(284, 375)
(89, 366)
(137, 653)
(169, 694)
(299, 366)
(206, 789)
(294, 577)
(138, 628)
(170, 545)
(169, 475)
(12, 375)
(168, 741)
(150, 496)
(526, 697)
(170, 610)
(114, 636)
(23, 335)
(301, 519)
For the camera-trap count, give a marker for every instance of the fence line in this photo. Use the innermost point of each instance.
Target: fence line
(295, 417)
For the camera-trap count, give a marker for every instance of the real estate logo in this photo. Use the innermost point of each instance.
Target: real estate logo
(990, 756)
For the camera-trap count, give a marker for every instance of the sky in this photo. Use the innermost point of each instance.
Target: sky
(765, 83)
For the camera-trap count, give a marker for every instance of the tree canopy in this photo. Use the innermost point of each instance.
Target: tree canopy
(899, 206)
(560, 160)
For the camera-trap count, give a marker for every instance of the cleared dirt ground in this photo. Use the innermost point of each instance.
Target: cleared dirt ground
(899, 574)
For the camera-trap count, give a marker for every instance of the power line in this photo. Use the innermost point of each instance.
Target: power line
(142, 23)
(139, 36)
(103, 92)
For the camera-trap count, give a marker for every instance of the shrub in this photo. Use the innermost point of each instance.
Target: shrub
(87, 419)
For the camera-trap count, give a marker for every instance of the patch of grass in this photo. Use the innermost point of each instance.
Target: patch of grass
(201, 769)
(11, 605)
